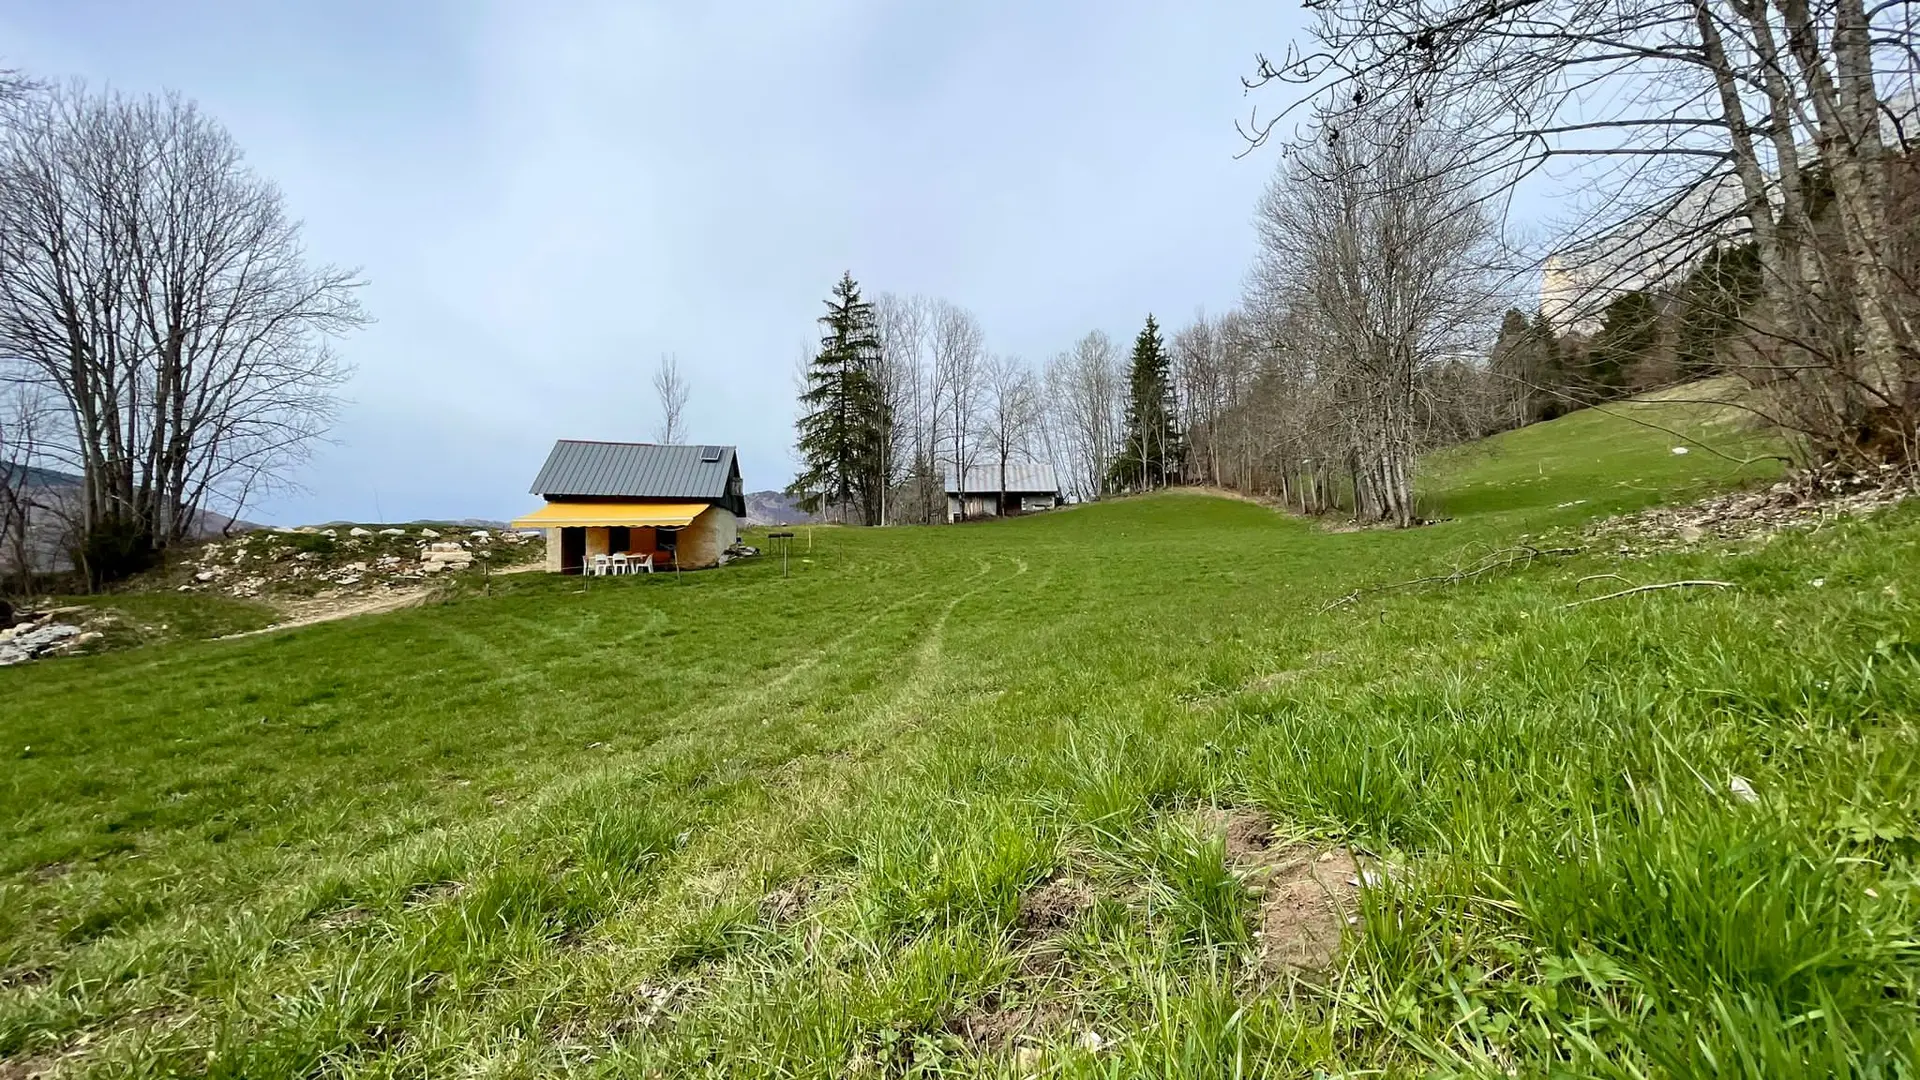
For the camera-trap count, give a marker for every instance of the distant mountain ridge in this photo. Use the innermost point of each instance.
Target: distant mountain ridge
(45, 530)
(776, 508)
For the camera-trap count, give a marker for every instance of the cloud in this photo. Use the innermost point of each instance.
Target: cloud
(545, 198)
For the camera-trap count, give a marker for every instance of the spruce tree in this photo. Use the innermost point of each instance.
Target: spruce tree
(1712, 302)
(1629, 333)
(843, 419)
(1154, 451)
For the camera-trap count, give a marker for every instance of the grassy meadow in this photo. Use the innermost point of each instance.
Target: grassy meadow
(735, 824)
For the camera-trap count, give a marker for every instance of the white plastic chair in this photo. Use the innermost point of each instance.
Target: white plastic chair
(620, 563)
(601, 565)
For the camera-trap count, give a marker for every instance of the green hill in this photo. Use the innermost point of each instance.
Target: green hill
(1121, 790)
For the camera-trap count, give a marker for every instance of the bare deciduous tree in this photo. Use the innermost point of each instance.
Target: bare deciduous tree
(670, 389)
(1380, 262)
(1086, 398)
(958, 344)
(158, 289)
(1010, 414)
(22, 412)
(905, 331)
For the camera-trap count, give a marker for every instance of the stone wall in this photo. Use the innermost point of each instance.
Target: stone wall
(701, 542)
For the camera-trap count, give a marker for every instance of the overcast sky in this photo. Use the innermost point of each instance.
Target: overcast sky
(545, 197)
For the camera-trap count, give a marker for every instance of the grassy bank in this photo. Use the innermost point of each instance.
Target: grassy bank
(735, 824)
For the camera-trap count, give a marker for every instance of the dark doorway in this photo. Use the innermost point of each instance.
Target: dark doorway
(573, 550)
(619, 538)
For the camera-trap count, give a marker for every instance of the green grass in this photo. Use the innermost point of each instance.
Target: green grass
(744, 825)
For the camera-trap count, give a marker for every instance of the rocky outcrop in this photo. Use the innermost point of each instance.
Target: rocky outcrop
(42, 635)
(309, 564)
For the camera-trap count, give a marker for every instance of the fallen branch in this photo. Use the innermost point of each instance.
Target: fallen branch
(1487, 564)
(1651, 588)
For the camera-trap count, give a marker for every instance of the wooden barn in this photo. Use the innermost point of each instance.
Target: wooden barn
(990, 491)
(634, 507)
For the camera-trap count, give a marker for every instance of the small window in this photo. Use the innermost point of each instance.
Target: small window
(711, 454)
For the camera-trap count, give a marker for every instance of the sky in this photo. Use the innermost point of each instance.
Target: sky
(545, 198)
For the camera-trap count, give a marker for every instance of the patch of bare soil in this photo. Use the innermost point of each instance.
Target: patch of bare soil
(434, 892)
(1307, 897)
(644, 1008)
(38, 975)
(1807, 500)
(1247, 833)
(1056, 905)
(786, 904)
(343, 918)
(998, 1024)
(327, 609)
(26, 1068)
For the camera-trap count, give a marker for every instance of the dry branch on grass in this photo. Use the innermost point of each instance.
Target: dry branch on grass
(1652, 588)
(1502, 559)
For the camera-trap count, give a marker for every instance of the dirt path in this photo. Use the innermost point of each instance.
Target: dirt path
(309, 612)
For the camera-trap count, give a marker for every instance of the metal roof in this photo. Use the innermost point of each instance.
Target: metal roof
(1021, 476)
(634, 471)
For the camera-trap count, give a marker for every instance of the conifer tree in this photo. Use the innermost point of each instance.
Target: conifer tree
(1154, 451)
(843, 423)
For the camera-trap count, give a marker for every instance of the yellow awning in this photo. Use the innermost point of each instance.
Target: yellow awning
(569, 515)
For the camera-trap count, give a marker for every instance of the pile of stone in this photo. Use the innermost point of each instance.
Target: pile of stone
(41, 635)
(1804, 500)
(445, 555)
(350, 558)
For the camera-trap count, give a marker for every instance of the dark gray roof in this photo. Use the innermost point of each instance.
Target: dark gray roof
(634, 470)
(1027, 476)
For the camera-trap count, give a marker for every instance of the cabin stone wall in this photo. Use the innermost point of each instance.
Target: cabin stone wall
(701, 542)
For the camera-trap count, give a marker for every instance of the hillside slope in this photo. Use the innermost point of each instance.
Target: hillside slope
(1119, 791)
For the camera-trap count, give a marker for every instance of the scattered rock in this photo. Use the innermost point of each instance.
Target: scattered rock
(393, 532)
(429, 534)
(358, 531)
(37, 642)
(205, 576)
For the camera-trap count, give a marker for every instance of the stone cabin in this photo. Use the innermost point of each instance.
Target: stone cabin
(678, 507)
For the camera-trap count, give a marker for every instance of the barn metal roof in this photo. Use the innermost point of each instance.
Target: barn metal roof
(1032, 476)
(634, 470)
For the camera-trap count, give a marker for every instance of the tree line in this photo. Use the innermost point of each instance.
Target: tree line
(163, 335)
(902, 396)
(1744, 206)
